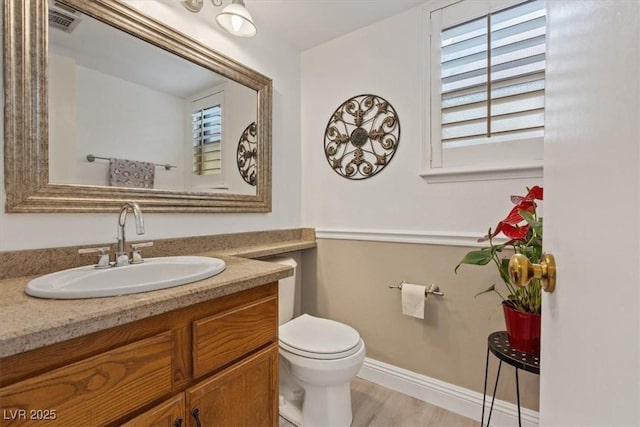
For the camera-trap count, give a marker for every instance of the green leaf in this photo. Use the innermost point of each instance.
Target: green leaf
(476, 258)
(504, 270)
(491, 288)
(533, 251)
(536, 225)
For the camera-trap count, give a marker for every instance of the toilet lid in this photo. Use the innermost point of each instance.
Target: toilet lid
(318, 338)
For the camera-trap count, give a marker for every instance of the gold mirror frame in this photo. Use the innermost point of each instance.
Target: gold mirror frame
(26, 165)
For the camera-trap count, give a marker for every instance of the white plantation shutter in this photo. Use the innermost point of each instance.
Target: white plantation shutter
(487, 85)
(206, 121)
(207, 140)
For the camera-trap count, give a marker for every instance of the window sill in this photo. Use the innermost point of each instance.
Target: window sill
(485, 173)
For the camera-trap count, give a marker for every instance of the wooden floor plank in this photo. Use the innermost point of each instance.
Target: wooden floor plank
(377, 406)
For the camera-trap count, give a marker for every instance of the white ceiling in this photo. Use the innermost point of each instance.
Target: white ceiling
(308, 23)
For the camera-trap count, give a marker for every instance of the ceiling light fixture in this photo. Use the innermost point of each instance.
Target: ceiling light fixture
(234, 18)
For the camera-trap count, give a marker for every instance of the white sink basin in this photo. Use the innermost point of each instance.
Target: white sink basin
(153, 274)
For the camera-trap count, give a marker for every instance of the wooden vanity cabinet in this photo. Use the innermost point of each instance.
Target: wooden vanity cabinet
(239, 396)
(170, 413)
(210, 364)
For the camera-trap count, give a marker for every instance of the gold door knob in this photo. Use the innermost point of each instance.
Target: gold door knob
(521, 271)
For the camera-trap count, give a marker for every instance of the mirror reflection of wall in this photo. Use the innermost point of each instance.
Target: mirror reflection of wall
(113, 95)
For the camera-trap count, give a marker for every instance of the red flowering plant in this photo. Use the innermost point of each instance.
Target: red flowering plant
(523, 228)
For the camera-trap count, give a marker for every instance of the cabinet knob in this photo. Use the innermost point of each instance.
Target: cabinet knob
(178, 423)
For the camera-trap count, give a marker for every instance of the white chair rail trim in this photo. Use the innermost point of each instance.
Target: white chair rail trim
(451, 238)
(451, 397)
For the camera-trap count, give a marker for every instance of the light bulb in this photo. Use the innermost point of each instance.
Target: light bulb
(236, 22)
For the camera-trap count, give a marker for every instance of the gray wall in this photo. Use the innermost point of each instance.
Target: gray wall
(449, 344)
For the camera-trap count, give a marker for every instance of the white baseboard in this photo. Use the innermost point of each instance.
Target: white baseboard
(448, 396)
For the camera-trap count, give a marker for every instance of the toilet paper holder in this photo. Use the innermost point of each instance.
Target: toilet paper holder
(431, 290)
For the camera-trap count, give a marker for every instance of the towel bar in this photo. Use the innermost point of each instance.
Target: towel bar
(91, 158)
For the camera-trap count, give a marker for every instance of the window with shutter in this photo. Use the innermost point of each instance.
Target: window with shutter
(206, 150)
(207, 140)
(487, 84)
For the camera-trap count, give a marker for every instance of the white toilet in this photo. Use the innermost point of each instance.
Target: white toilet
(318, 359)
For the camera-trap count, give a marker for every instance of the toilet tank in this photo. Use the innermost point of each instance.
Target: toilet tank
(286, 289)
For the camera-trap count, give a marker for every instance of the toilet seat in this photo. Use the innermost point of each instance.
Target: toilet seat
(318, 338)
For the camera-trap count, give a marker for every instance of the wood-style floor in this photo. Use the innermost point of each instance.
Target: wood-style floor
(377, 406)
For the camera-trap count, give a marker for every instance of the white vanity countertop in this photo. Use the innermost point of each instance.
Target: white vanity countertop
(27, 323)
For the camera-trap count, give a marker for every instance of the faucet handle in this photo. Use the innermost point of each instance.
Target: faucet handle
(103, 255)
(136, 256)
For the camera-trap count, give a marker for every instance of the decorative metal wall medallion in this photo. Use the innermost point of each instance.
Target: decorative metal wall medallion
(362, 136)
(247, 154)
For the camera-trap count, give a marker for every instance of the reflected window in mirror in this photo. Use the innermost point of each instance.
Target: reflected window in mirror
(207, 132)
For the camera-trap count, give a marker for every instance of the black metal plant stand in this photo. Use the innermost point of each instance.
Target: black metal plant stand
(498, 344)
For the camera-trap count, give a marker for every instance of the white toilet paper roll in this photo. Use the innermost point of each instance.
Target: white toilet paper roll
(413, 300)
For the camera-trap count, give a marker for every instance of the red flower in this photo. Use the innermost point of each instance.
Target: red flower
(514, 216)
(535, 193)
(509, 226)
(513, 232)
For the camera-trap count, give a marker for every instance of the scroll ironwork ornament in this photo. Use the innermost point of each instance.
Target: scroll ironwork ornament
(362, 136)
(248, 154)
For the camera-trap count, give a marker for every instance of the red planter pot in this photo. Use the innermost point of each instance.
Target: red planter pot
(523, 330)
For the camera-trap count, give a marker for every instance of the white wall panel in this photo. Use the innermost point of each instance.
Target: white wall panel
(386, 59)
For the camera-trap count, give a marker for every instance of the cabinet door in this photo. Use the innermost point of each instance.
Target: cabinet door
(245, 394)
(95, 391)
(167, 414)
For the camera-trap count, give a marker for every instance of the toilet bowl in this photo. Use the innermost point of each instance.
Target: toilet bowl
(318, 359)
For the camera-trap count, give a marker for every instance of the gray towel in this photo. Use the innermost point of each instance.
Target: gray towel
(131, 173)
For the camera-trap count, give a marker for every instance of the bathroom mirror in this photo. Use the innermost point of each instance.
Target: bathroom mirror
(68, 111)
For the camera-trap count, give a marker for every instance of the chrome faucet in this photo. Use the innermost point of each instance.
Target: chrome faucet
(121, 255)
